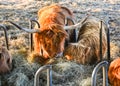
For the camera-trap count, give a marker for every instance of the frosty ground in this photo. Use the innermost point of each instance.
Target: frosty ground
(20, 11)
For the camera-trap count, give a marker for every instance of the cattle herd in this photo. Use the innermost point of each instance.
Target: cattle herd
(60, 36)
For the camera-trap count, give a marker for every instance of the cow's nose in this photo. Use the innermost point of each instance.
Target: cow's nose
(59, 54)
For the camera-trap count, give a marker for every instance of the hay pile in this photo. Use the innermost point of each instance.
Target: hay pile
(23, 72)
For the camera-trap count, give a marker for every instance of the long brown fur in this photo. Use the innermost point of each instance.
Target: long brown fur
(50, 41)
(114, 72)
(5, 60)
(86, 50)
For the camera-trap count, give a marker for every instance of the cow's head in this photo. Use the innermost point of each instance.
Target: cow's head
(5, 60)
(51, 42)
(77, 52)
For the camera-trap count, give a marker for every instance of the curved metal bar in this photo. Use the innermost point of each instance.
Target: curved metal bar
(49, 75)
(34, 20)
(74, 30)
(31, 35)
(5, 32)
(68, 18)
(108, 40)
(24, 29)
(103, 64)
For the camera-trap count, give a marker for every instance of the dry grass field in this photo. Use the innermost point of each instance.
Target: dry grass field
(21, 11)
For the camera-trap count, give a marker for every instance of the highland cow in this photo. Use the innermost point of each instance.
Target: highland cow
(87, 48)
(114, 72)
(50, 42)
(5, 60)
(49, 39)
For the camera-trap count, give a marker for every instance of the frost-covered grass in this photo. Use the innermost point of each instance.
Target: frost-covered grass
(20, 11)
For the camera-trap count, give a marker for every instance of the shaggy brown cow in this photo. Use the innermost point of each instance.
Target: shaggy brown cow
(49, 39)
(114, 72)
(87, 49)
(5, 60)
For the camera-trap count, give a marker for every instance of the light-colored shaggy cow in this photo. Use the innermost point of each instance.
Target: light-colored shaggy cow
(87, 48)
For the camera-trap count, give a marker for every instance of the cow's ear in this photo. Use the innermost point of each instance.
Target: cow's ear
(87, 50)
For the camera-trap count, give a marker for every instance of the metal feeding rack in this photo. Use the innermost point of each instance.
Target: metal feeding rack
(49, 75)
(31, 35)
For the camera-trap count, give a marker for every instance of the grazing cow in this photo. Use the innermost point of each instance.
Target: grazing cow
(50, 38)
(87, 48)
(114, 72)
(5, 60)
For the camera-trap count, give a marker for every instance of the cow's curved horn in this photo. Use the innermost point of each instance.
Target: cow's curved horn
(25, 29)
(78, 25)
(69, 18)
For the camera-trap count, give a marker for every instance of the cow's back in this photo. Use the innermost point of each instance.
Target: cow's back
(53, 14)
(89, 35)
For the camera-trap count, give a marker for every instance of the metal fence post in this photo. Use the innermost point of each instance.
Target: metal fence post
(49, 75)
(104, 65)
(31, 35)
